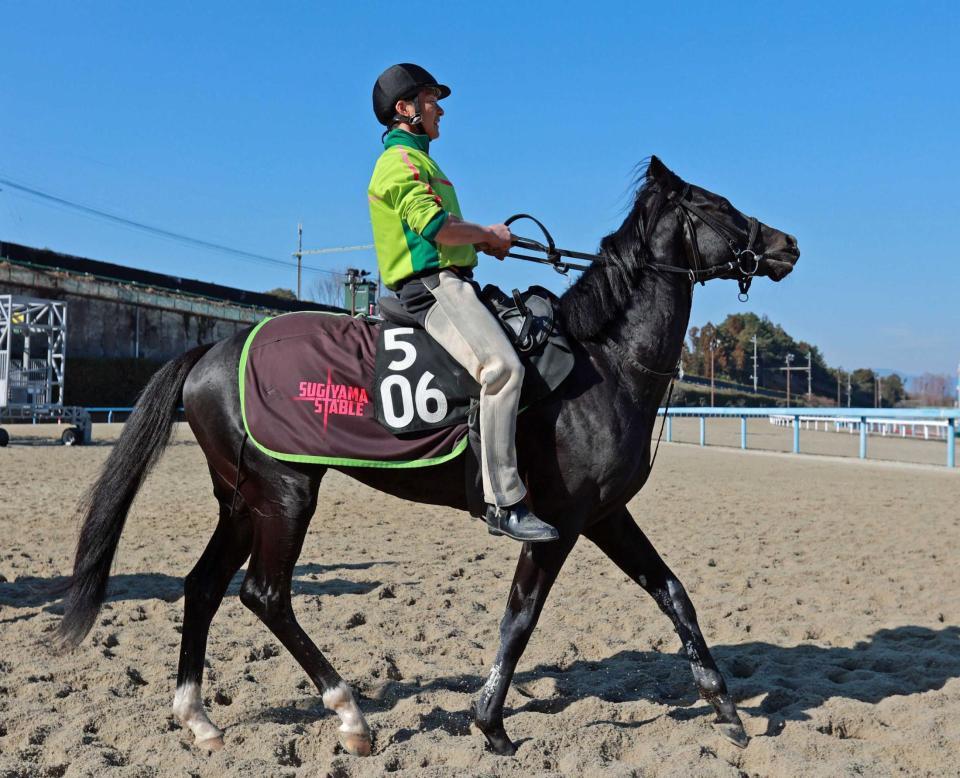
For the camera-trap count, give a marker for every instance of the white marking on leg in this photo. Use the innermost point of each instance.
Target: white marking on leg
(340, 700)
(188, 708)
(493, 681)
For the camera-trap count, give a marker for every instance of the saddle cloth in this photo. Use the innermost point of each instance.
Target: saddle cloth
(306, 383)
(331, 389)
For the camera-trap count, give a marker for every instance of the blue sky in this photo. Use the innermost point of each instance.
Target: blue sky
(231, 122)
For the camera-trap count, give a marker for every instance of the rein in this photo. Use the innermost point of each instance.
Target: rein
(554, 254)
(746, 262)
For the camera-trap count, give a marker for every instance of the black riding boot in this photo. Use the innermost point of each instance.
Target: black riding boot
(519, 522)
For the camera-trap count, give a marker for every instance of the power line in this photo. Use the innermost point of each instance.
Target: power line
(159, 231)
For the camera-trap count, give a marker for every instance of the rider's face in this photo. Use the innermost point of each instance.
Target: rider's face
(430, 112)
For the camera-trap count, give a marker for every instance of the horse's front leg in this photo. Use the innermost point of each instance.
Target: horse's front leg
(622, 540)
(536, 571)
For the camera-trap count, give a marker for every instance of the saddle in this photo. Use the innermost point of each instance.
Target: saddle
(418, 386)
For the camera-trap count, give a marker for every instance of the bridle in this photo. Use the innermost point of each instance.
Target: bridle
(746, 262)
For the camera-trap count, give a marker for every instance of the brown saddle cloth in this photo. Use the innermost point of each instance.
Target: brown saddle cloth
(306, 395)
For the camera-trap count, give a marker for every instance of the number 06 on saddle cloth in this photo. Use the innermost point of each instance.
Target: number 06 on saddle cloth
(307, 394)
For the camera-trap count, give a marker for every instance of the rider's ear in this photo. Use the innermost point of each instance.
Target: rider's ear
(403, 108)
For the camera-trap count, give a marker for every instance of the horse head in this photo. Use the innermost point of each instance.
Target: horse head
(718, 240)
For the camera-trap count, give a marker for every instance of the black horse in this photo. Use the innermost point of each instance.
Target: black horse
(584, 454)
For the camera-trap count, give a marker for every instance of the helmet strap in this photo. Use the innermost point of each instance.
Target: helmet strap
(414, 121)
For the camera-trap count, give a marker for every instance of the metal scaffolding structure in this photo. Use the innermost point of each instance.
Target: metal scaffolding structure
(33, 336)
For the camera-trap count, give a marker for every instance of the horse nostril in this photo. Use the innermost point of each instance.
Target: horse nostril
(791, 241)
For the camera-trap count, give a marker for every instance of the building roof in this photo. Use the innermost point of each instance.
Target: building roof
(108, 271)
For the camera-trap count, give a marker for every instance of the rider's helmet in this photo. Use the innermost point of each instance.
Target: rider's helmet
(402, 82)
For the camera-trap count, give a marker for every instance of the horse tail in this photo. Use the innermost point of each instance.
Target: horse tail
(105, 505)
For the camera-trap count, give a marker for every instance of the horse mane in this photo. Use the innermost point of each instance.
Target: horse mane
(600, 295)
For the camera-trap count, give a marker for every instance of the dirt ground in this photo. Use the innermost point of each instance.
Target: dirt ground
(826, 587)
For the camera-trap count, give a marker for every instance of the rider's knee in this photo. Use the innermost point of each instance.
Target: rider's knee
(500, 372)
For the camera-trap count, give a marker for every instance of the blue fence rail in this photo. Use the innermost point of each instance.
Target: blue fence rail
(862, 418)
(109, 412)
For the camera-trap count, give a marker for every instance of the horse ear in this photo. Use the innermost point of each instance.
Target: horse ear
(660, 172)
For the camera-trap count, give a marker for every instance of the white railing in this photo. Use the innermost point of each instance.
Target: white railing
(899, 428)
(866, 421)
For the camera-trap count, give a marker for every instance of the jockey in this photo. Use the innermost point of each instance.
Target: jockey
(425, 251)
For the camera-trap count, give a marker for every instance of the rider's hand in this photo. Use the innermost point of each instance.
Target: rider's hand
(498, 242)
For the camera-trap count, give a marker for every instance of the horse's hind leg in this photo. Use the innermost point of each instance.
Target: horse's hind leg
(203, 589)
(280, 524)
(621, 539)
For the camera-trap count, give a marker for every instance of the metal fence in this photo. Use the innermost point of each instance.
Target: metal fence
(859, 419)
(862, 420)
(116, 413)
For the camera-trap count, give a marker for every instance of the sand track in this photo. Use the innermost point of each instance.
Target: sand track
(827, 590)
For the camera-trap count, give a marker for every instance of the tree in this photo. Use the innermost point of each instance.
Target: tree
(328, 288)
(286, 294)
(862, 383)
(932, 389)
(733, 359)
(892, 390)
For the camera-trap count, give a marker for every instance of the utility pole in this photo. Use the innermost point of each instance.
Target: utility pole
(849, 388)
(789, 361)
(754, 339)
(879, 385)
(299, 255)
(808, 370)
(839, 371)
(713, 349)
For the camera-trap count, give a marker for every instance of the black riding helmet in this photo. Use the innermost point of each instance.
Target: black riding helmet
(402, 82)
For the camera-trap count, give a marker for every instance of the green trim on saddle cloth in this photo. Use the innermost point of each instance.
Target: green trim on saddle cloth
(318, 460)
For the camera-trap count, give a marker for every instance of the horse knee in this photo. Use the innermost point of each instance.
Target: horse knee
(267, 603)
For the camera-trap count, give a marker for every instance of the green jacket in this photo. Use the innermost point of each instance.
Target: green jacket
(410, 199)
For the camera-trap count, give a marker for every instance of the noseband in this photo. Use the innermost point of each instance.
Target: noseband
(746, 262)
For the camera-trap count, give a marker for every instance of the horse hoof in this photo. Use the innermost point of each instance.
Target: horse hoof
(211, 743)
(500, 743)
(356, 745)
(735, 733)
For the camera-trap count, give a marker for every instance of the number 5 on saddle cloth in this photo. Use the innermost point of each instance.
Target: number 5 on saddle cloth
(331, 389)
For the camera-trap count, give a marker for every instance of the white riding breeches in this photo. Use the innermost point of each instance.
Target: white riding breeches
(468, 331)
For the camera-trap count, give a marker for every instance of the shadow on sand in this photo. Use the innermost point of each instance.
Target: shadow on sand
(794, 679)
(45, 593)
